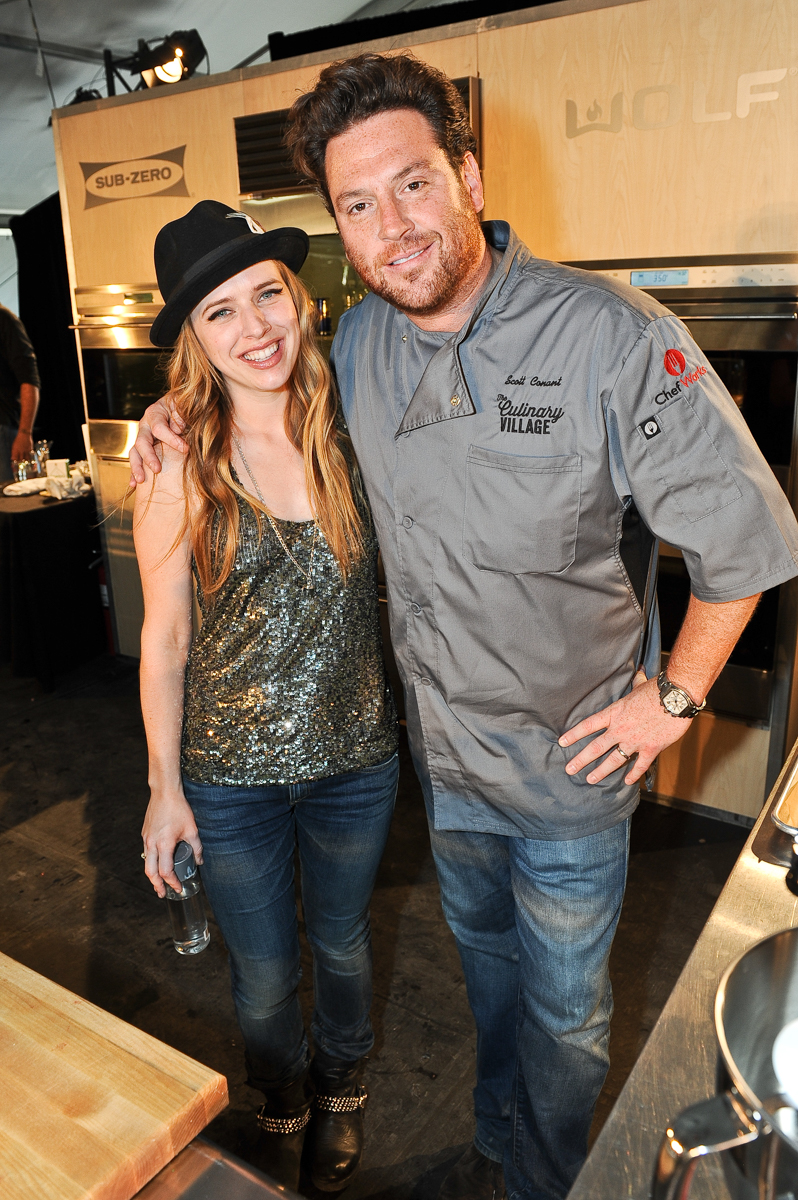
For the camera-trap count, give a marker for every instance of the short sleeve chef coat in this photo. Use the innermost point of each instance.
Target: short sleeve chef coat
(500, 462)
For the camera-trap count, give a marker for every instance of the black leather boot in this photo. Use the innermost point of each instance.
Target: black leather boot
(335, 1144)
(474, 1177)
(283, 1122)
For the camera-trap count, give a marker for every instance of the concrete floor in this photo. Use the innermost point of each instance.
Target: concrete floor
(78, 909)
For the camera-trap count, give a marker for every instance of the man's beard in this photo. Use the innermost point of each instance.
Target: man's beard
(424, 292)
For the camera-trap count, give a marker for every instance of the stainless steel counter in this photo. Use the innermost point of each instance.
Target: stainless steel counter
(678, 1063)
(203, 1171)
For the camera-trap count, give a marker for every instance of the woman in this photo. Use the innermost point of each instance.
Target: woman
(273, 726)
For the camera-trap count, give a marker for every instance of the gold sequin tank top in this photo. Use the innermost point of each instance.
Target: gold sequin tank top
(285, 684)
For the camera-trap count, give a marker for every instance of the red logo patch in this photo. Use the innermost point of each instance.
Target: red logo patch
(675, 362)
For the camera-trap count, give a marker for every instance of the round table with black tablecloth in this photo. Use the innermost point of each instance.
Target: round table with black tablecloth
(51, 617)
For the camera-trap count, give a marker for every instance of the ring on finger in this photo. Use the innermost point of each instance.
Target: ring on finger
(623, 753)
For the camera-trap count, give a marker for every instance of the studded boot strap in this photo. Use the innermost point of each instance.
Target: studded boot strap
(342, 1104)
(283, 1124)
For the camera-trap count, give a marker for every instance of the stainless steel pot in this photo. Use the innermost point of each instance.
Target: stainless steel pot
(748, 1119)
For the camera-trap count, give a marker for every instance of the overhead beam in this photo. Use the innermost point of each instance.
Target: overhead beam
(13, 41)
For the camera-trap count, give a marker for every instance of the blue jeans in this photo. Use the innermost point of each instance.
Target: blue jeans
(534, 923)
(340, 826)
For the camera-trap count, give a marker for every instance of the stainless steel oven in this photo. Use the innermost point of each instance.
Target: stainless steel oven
(122, 373)
(743, 313)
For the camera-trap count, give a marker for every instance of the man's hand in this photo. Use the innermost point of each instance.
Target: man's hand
(160, 423)
(636, 723)
(22, 447)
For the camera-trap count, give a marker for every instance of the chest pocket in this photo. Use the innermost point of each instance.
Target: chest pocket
(521, 513)
(687, 462)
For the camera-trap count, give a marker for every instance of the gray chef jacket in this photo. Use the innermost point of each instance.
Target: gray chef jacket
(502, 463)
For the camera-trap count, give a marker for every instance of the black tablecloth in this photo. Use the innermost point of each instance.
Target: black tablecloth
(51, 618)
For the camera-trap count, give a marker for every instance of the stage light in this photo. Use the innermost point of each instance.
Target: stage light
(171, 72)
(160, 61)
(175, 58)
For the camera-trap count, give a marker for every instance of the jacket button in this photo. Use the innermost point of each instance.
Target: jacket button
(415, 608)
(407, 522)
(455, 400)
(425, 679)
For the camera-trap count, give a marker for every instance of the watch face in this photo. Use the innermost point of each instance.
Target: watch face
(674, 702)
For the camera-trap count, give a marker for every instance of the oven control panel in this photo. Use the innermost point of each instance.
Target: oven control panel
(734, 275)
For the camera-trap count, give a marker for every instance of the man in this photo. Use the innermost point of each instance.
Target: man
(504, 412)
(19, 392)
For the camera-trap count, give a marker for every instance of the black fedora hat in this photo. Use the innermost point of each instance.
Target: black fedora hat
(213, 242)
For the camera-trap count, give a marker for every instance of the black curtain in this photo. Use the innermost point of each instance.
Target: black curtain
(46, 312)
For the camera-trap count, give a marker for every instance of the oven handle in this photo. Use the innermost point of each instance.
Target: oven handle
(746, 317)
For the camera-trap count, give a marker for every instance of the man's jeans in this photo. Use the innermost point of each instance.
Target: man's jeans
(340, 826)
(534, 923)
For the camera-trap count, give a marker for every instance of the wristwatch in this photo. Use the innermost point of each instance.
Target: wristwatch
(675, 700)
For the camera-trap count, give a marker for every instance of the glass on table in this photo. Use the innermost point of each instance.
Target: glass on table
(41, 452)
(24, 468)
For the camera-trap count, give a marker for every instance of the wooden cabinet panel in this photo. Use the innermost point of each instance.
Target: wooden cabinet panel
(657, 128)
(112, 239)
(698, 155)
(267, 93)
(718, 763)
(455, 56)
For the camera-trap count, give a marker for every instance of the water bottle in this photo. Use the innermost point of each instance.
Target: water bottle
(186, 909)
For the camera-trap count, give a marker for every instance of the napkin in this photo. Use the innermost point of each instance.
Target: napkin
(26, 487)
(65, 489)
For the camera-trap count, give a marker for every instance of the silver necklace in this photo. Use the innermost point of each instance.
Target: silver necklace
(306, 575)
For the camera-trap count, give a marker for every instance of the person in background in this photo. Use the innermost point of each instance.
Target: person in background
(506, 416)
(273, 727)
(19, 392)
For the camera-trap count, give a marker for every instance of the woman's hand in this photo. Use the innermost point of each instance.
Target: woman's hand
(168, 820)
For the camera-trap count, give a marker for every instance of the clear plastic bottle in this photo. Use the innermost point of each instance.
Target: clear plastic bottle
(186, 909)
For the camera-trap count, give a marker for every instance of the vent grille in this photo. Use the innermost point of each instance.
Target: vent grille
(264, 167)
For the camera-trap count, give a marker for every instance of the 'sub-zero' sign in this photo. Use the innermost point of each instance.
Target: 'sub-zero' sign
(158, 175)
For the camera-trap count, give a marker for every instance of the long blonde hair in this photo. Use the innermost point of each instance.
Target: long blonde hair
(311, 424)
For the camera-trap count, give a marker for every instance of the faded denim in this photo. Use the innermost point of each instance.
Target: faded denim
(534, 923)
(339, 826)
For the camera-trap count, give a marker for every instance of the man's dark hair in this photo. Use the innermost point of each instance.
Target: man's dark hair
(355, 89)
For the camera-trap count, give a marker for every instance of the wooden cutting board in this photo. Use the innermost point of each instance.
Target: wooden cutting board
(90, 1107)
